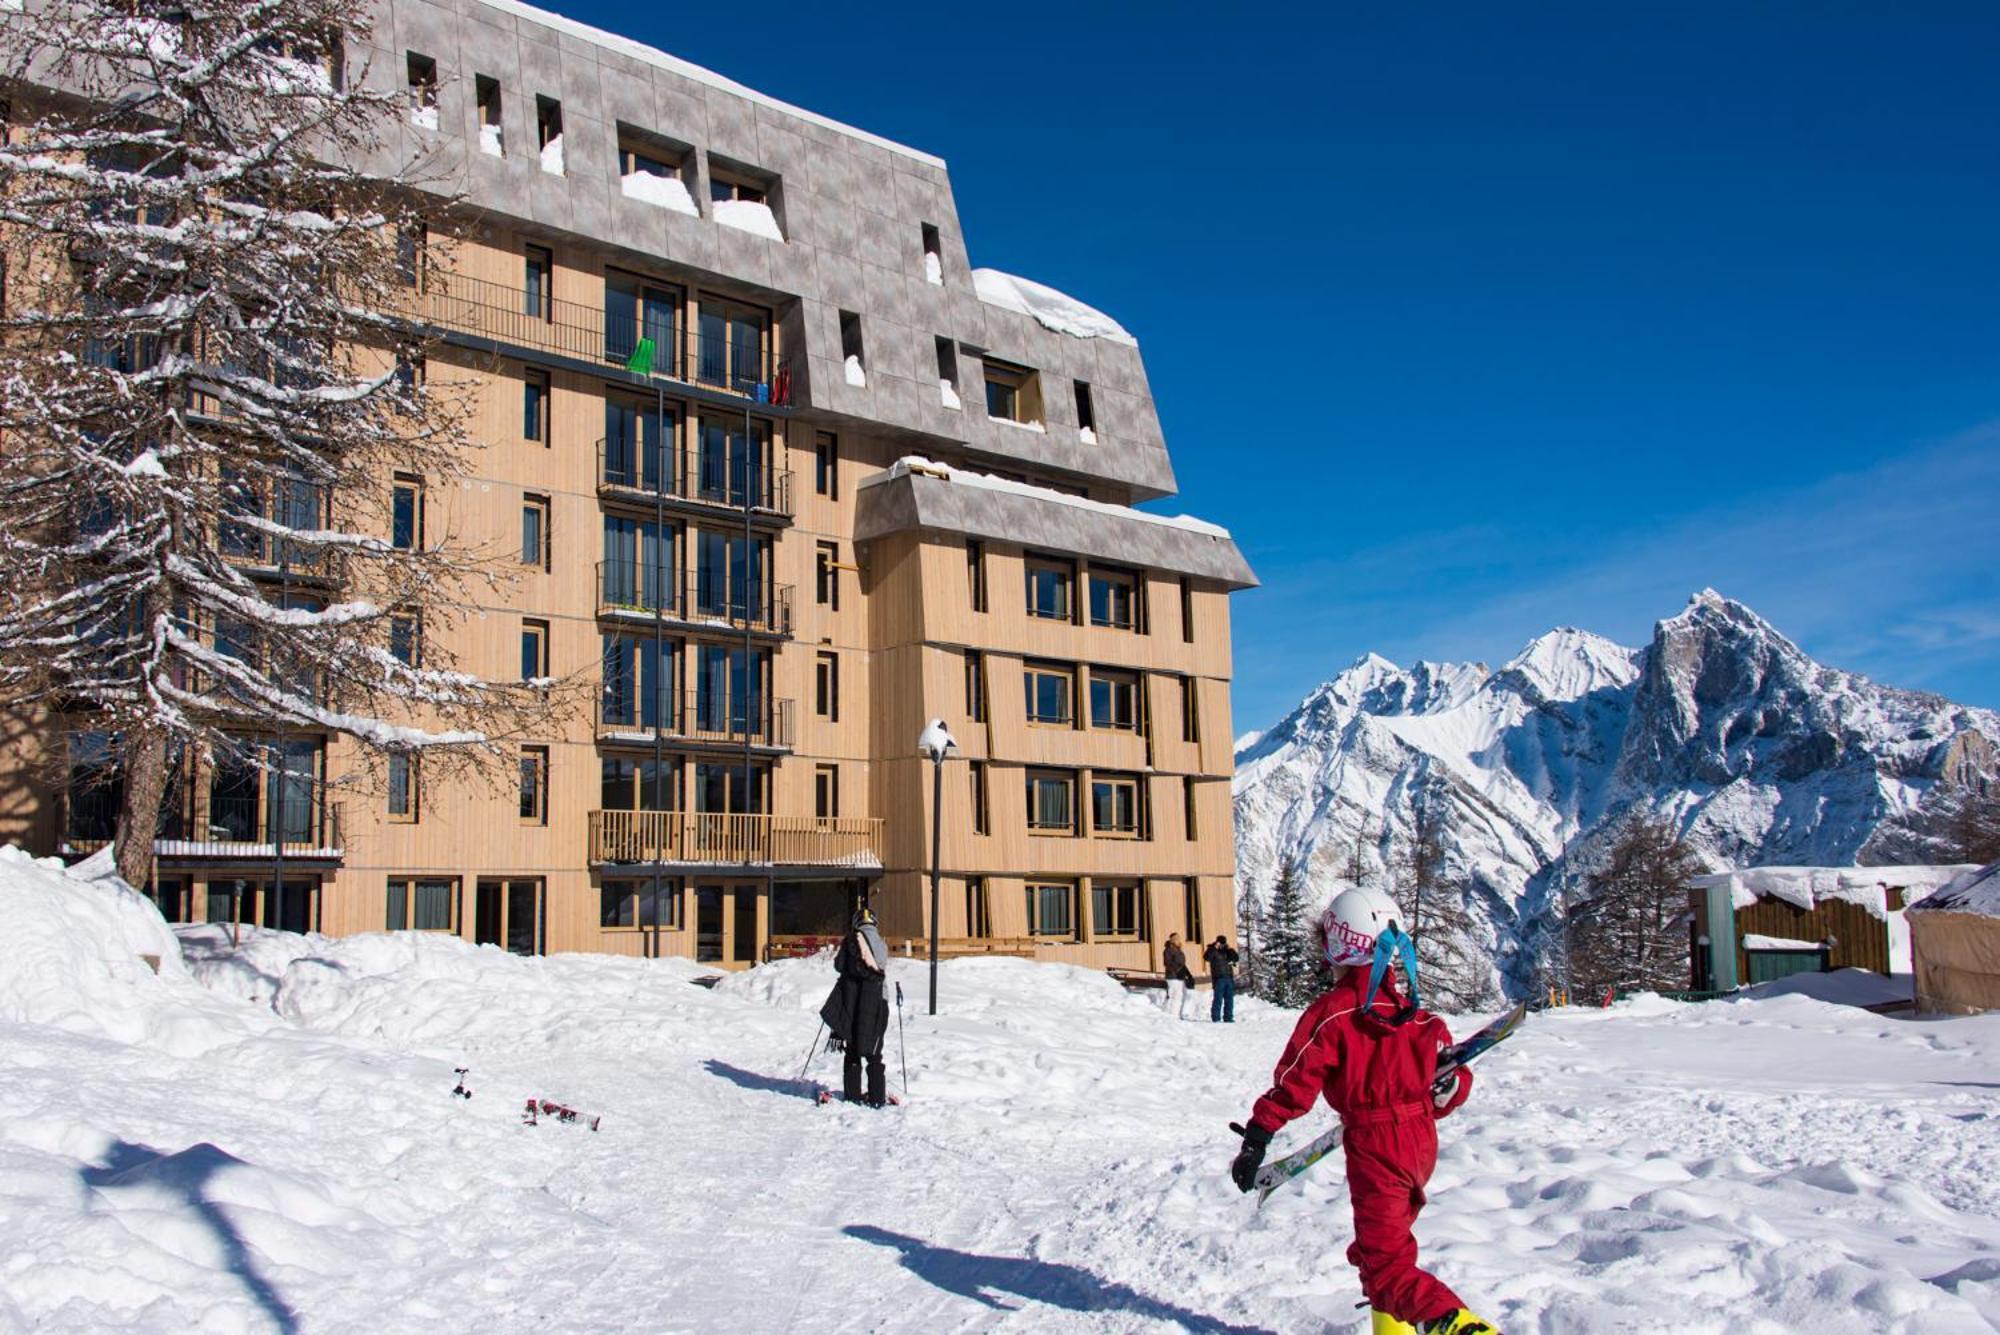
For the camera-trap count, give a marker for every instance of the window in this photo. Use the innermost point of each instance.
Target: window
(422, 904)
(638, 572)
(411, 242)
(1086, 413)
(1012, 394)
(538, 277)
(641, 157)
(1114, 598)
(933, 253)
(406, 514)
(826, 464)
(492, 139)
(639, 674)
(726, 182)
(1051, 909)
(1049, 587)
(649, 903)
(733, 346)
(1114, 805)
(534, 785)
(1191, 905)
(947, 369)
(1114, 700)
(1051, 809)
(851, 351)
(977, 920)
(535, 405)
(1051, 691)
(628, 783)
(1190, 710)
(826, 687)
(409, 376)
(1114, 908)
(826, 575)
(1187, 609)
(1189, 806)
(975, 573)
(826, 791)
(534, 650)
(548, 134)
(535, 531)
(975, 686)
(978, 771)
(422, 78)
(405, 641)
(402, 806)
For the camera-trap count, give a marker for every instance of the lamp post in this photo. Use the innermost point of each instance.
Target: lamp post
(936, 743)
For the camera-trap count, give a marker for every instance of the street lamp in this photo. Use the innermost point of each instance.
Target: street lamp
(936, 743)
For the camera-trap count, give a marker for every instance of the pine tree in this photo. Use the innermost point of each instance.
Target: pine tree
(1291, 955)
(202, 370)
(1454, 974)
(1250, 971)
(1629, 930)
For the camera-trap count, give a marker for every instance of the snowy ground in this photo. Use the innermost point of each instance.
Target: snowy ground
(266, 1139)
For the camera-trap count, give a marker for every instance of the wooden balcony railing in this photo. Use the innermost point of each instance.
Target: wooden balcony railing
(707, 837)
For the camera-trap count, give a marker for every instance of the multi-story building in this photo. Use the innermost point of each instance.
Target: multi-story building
(786, 479)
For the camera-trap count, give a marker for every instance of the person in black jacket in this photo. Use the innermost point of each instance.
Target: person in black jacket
(1221, 959)
(857, 1013)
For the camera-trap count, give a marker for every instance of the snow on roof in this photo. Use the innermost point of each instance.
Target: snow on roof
(1049, 308)
(688, 70)
(1805, 887)
(916, 463)
(1975, 890)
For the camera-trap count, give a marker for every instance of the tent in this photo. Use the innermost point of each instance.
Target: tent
(1955, 941)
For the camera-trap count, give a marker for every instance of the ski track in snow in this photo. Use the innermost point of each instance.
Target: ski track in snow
(1763, 1165)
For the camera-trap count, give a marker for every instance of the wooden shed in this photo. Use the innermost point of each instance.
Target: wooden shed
(1955, 945)
(1759, 924)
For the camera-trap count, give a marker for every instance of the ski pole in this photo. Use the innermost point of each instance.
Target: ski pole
(902, 1050)
(811, 1050)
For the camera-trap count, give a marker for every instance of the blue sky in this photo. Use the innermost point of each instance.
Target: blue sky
(1475, 319)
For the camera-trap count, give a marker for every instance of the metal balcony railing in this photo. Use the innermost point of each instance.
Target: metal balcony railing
(631, 468)
(704, 837)
(735, 358)
(228, 827)
(631, 588)
(698, 716)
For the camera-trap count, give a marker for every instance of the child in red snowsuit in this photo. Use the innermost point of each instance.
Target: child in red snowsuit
(1374, 1063)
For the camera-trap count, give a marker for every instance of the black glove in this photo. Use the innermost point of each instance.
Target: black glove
(1251, 1157)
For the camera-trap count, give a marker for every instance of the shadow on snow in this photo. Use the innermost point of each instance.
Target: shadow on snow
(1069, 1287)
(184, 1173)
(763, 1084)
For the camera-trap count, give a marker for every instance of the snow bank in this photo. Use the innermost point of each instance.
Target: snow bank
(748, 215)
(1973, 890)
(667, 192)
(1753, 941)
(1837, 987)
(948, 395)
(933, 268)
(856, 376)
(1047, 307)
(490, 141)
(552, 156)
(1086, 436)
(916, 463)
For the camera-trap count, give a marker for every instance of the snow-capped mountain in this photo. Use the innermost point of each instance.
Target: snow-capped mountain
(1721, 725)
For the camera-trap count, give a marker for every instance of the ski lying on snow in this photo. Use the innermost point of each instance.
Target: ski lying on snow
(540, 1108)
(1280, 1171)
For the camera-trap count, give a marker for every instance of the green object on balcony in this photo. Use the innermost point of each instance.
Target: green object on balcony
(641, 360)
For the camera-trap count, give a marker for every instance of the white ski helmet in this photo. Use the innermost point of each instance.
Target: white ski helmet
(1348, 928)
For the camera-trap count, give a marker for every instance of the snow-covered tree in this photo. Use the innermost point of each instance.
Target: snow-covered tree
(1291, 957)
(203, 375)
(1454, 973)
(1250, 970)
(1629, 930)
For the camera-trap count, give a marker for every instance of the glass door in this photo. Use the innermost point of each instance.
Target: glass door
(708, 923)
(745, 943)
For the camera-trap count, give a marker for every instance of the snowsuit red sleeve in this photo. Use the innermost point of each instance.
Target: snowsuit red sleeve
(1377, 1076)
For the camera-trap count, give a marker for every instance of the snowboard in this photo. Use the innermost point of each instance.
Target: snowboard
(1280, 1171)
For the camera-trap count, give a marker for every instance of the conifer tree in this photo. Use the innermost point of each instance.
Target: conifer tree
(1291, 956)
(206, 367)
(1454, 974)
(1629, 931)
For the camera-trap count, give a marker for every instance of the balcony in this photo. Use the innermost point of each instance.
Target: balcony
(631, 590)
(696, 716)
(706, 838)
(244, 828)
(630, 472)
(738, 361)
(275, 558)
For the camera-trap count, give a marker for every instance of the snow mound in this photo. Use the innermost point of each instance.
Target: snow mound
(552, 156)
(748, 215)
(1047, 307)
(948, 395)
(916, 463)
(667, 192)
(933, 268)
(1976, 890)
(490, 141)
(856, 374)
(1837, 987)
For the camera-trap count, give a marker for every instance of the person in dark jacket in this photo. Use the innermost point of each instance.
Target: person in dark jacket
(1221, 960)
(857, 1013)
(1180, 979)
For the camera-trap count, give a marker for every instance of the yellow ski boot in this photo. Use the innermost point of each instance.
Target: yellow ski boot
(1461, 1322)
(1381, 1323)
